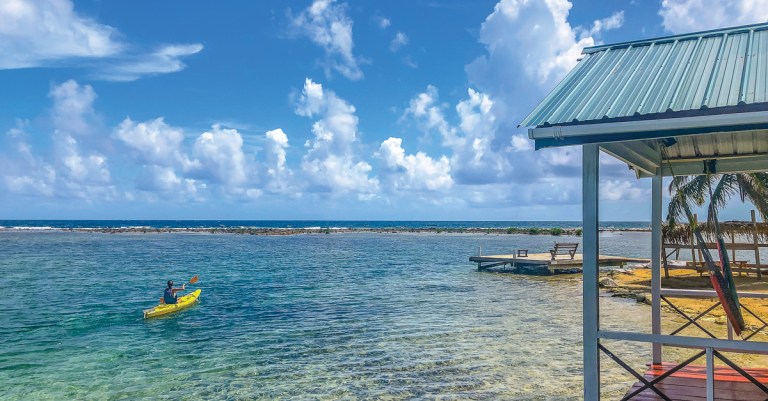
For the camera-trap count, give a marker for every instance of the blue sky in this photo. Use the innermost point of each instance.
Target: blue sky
(307, 109)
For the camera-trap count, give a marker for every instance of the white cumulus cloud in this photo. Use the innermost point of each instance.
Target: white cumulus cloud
(614, 190)
(220, 152)
(533, 36)
(311, 99)
(88, 169)
(398, 42)
(214, 161)
(530, 46)
(23, 172)
(73, 107)
(683, 16)
(154, 142)
(39, 32)
(606, 24)
(430, 115)
(331, 163)
(520, 143)
(417, 171)
(382, 22)
(155, 179)
(278, 177)
(47, 33)
(327, 25)
(166, 167)
(477, 158)
(74, 167)
(277, 142)
(83, 169)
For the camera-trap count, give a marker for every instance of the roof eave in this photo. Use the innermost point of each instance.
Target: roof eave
(582, 134)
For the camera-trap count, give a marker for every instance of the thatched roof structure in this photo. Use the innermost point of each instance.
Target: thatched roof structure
(681, 233)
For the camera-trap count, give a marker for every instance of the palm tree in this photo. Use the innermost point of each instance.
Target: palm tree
(688, 191)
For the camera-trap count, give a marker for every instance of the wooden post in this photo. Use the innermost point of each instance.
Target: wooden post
(757, 247)
(664, 259)
(733, 248)
(730, 328)
(696, 222)
(693, 246)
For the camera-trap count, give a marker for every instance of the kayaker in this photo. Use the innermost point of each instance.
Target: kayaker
(169, 296)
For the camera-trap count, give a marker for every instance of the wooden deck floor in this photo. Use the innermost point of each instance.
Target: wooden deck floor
(689, 384)
(565, 260)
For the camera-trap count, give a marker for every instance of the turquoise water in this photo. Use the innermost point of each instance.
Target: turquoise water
(353, 224)
(327, 317)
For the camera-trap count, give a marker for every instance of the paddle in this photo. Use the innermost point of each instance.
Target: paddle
(193, 280)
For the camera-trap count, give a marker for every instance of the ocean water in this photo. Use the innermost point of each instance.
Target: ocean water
(355, 316)
(353, 224)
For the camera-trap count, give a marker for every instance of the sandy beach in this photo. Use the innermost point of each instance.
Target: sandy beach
(636, 283)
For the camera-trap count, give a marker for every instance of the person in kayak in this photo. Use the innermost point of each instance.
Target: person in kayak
(169, 296)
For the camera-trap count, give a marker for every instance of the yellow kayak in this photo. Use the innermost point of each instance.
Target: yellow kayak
(183, 302)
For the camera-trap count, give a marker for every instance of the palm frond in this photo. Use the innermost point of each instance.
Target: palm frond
(727, 186)
(677, 182)
(753, 188)
(688, 191)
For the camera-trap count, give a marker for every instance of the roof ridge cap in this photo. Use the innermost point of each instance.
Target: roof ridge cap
(683, 36)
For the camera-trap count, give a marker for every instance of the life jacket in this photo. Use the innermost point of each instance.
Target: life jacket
(168, 296)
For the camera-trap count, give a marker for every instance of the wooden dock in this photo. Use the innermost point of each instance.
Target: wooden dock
(542, 263)
(689, 383)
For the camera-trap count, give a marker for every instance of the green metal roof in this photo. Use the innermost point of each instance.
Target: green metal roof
(706, 73)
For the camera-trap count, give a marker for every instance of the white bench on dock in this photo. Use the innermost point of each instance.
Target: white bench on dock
(564, 248)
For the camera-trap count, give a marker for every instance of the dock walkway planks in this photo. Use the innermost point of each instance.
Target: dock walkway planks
(542, 263)
(690, 384)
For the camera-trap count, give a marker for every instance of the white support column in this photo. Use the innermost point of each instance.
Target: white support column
(590, 216)
(656, 261)
(710, 374)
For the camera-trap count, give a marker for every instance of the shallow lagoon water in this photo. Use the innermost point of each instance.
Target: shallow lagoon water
(340, 316)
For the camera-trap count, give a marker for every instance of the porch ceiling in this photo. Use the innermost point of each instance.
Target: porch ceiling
(745, 151)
